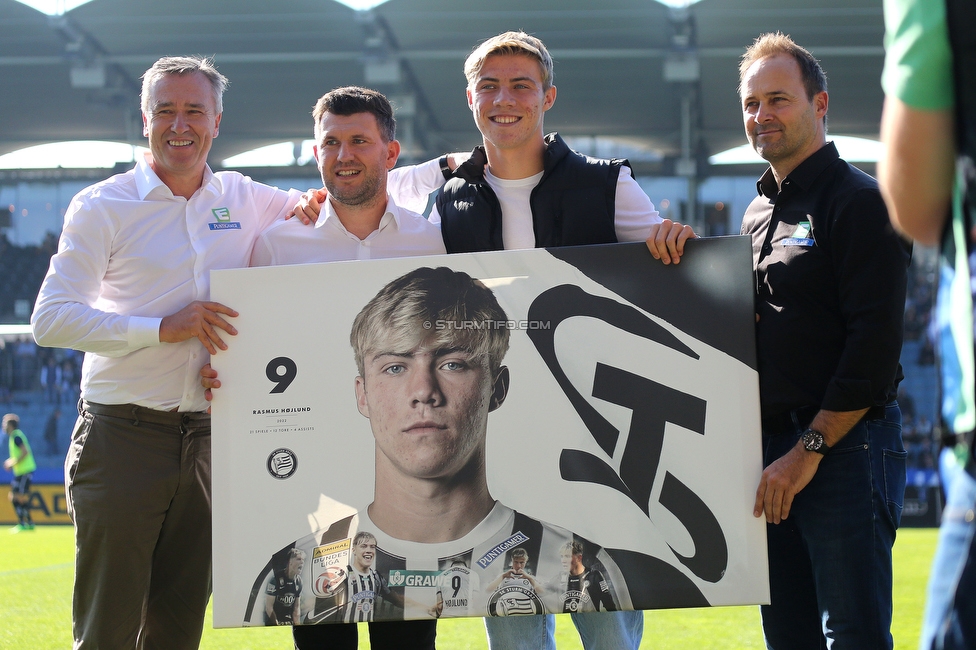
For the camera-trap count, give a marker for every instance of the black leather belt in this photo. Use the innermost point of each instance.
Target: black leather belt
(139, 414)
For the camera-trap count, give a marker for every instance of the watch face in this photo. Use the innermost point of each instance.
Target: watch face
(812, 441)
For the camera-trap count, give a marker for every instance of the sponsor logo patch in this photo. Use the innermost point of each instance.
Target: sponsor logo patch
(222, 215)
(329, 563)
(492, 555)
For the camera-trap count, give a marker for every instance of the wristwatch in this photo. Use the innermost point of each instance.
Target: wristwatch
(445, 168)
(813, 440)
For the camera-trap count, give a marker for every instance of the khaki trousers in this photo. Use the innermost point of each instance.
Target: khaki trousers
(137, 483)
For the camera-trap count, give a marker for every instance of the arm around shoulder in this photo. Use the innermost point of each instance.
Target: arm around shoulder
(412, 185)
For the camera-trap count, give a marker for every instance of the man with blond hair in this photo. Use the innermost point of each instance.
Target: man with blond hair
(283, 592)
(524, 189)
(831, 278)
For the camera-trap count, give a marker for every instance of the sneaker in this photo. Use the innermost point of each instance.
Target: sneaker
(18, 528)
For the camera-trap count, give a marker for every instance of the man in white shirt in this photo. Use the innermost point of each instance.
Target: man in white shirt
(130, 286)
(355, 149)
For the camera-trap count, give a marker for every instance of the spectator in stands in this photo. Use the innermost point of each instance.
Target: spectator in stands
(25, 364)
(69, 382)
(51, 381)
(51, 431)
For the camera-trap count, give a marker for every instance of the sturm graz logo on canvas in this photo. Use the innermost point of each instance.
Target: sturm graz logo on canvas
(653, 406)
(282, 463)
(515, 600)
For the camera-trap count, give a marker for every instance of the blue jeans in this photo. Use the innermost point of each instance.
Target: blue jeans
(830, 561)
(597, 630)
(950, 609)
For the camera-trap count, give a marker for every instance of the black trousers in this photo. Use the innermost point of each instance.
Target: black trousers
(390, 635)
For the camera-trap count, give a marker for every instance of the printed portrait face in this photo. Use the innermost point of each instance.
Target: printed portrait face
(518, 563)
(428, 408)
(565, 558)
(295, 565)
(364, 552)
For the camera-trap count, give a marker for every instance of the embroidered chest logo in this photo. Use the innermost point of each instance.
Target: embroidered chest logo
(802, 236)
(222, 215)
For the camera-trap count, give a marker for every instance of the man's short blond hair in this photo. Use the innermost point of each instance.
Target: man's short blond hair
(507, 44)
(575, 547)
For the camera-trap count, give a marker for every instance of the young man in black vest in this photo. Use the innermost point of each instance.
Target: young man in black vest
(524, 189)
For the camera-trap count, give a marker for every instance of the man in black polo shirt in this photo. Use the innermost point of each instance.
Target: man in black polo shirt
(831, 280)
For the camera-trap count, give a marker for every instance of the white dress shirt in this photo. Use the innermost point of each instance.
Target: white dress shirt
(401, 233)
(131, 253)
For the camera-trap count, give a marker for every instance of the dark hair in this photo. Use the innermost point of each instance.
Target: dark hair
(351, 100)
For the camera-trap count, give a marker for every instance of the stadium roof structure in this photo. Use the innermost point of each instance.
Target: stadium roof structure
(634, 72)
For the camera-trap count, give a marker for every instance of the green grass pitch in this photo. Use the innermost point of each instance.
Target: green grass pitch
(35, 606)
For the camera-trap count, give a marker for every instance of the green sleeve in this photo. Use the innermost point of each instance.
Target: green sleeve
(918, 59)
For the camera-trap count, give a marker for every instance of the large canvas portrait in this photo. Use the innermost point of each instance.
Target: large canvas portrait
(489, 434)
